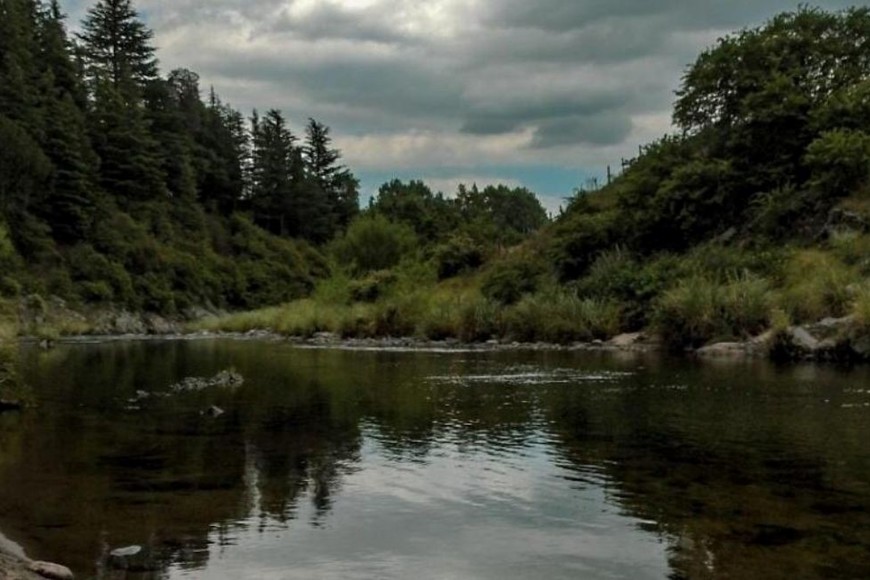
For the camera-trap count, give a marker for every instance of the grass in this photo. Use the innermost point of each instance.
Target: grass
(816, 285)
(710, 294)
(700, 309)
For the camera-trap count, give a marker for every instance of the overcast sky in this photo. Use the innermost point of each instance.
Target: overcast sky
(540, 93)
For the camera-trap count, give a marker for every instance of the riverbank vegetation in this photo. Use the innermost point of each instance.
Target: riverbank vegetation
(753, 215)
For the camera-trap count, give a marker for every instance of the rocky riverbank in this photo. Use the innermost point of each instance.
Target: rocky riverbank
(16, 566)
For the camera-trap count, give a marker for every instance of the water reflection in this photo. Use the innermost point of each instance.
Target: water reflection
(473, 465)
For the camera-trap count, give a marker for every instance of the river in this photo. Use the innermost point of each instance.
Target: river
(331, 463)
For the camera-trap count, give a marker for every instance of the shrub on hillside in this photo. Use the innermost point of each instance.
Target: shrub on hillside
(508, 281)
(458, 254)
(372, 242)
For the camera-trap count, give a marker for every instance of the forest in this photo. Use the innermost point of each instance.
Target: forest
(124, 187)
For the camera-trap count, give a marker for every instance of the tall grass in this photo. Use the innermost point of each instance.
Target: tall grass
(861, 309)
(557, 316)
(701, 309)
(816, 285)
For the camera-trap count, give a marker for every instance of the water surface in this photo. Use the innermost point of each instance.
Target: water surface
(375, 464)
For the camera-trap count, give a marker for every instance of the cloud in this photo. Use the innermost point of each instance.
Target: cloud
(417, 85)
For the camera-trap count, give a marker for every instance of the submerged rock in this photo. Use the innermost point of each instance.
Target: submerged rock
(723, 349)
(10, 405)
(51, 570)
(132, 559)
(125, 552)
(224, 379)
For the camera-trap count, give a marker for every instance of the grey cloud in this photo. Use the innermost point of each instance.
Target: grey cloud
(504, 117)
(559, 15)
(330, 21)
(600, 130)
(397, 89)
(575, 73)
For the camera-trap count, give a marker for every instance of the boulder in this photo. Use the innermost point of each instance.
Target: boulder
(802, 339)
(156, 324)
(128, 323)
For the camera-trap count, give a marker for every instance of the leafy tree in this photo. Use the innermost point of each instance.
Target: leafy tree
(372, 242)
(431, 215)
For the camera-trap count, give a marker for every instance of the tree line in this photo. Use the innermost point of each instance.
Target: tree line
(122, 184)
(93, 123)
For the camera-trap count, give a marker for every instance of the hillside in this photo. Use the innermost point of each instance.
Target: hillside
(754, 216)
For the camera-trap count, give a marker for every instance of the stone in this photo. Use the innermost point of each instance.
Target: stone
(125, 552)
(627, 339)
(51, 570)
(723, 349)
(127, 323)
(802, 339)
(156, 324)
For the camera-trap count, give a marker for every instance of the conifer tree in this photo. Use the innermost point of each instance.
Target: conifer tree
(69, 206)
(117, 48)
(332, 186)
(276, 169)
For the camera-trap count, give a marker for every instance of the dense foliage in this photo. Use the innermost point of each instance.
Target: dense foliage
(121, 185)
(774, 131)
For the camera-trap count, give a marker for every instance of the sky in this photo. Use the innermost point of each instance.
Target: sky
(542, 94)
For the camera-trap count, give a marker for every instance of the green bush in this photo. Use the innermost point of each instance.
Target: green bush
(840, 160)
(95, 291)
(372, 287)
(459, 254)
(508, 281)
(372, 243)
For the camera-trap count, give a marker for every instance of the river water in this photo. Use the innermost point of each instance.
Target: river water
(387, 464)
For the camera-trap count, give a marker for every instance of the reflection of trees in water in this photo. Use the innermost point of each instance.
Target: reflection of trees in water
(738, 490)
(736, 487)
(300, 450)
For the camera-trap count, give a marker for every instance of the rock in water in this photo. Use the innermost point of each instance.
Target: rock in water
(125, 552)
(51, 570)
(6, 405)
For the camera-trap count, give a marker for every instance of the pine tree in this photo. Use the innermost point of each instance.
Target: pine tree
(19, 75)
(130, 166)
(333, 187)
(276, 169)
(117, 48)
(70, 205)
(120, 66)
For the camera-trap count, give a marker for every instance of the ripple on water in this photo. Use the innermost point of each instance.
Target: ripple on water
(531, 376)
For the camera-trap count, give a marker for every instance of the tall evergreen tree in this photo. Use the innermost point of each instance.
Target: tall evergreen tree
(19, 74)
(120, 65)
(130, 167)
(334, 187)
(69, 207)
(117, 48)
(276, 170)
